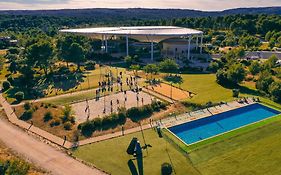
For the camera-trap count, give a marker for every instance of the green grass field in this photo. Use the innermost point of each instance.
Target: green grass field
(111, 155)
(256, 152)
(206, 88)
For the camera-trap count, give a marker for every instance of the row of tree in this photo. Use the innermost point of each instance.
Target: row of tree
(231, 71)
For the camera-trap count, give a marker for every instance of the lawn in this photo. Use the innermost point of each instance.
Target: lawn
(111, 155)
(206, 88)
(255, 151)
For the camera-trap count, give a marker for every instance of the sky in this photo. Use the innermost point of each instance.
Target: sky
(206, 5)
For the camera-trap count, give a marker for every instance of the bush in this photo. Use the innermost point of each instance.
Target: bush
(6, 85)
(17, 167)
(19, 96)
(55, 122)
(166, 169)
(67, 126)
(27, 115)
(27, 106)
(90, 65)
(87, 128)
(235, 92)
(48, 116)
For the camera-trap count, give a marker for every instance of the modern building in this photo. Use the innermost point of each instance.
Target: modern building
(177, 42)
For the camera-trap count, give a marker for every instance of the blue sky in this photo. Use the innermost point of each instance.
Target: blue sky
(184, 4)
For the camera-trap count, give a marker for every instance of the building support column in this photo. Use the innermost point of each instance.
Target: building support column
(127, 45)
(188, 50)
(152, 51)
(197, 42)
(201, 44)
(102, 43)
(106, 49)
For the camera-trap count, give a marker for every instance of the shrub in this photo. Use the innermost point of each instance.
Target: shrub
(17, 167)
(166, 169)
(55, 122)
(19, 96)
(87, 129)
(27, 106)
(48, 116)
(97, 122)
(67, 114)
(235, 92)
(27, 115)
(6, 85)
(67, 125)
(107, 120)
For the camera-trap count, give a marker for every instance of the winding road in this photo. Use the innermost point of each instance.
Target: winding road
(43, 155)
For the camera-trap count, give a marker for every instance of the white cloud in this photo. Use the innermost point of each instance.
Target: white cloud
(186, 4)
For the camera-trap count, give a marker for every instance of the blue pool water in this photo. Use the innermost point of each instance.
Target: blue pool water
(204, 128)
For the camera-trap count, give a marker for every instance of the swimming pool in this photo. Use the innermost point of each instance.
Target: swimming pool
(205, 128)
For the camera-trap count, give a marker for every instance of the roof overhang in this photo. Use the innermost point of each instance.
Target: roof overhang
(140, 33)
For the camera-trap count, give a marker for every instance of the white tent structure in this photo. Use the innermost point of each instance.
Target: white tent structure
(152, 34)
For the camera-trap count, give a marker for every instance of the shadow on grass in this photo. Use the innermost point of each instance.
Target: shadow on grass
(243, 89)
(176, 79)
(132, 167)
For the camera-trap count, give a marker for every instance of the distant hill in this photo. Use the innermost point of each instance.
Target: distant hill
(140, 13)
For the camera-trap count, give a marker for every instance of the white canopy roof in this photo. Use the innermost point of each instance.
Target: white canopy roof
(141, 33)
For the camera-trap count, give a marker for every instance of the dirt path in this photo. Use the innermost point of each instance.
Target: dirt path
(41, 154)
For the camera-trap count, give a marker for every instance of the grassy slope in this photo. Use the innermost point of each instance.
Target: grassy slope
(206, 88)
(111, 155)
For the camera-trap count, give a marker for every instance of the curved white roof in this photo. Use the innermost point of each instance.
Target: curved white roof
(141, 33)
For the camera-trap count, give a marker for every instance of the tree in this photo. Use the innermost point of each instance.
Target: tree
(168, 65)
(151, 68)
(255, 67)
(275, 91)
(264, 81)
(6, 85)
(270, 62)
(40, 54)
(128, 60)
(64, 46)
(236, 73)
(214, 66)
(249, 41)
(77, 54)
(13, 67)
(135, 68)
(14, 50)
(19, 96)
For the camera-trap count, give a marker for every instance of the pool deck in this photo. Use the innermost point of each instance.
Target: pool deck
(207, 112)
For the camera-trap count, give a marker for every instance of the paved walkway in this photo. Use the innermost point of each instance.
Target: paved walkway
(113, 135)
(194, 115)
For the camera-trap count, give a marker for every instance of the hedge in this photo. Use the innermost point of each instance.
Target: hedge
(119, 118)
